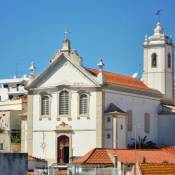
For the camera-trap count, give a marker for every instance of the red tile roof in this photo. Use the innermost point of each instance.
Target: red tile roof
(95, 156)
(150, 156)
(157, 169)
(118, 79)
(103, 156)
(170, 149)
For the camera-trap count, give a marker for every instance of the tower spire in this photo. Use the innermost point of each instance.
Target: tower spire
(66, 42)
(158, 15)
(158, 30)
(66, 33)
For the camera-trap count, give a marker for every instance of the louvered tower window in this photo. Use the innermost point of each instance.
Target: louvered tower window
(83, 104)
(45, 105)
(154, 60)
(64, 103)
(169, 60)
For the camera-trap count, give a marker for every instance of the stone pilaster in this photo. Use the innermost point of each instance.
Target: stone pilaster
(99, 119)
(30, 124)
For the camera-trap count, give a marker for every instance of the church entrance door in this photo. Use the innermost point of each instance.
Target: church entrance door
(63, 149)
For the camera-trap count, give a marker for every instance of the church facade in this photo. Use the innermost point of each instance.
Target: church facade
(73, 109)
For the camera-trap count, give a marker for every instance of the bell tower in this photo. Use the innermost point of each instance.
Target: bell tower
(159, 62)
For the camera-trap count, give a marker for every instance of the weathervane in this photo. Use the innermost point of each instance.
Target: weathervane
(66, 33)
(158, 14)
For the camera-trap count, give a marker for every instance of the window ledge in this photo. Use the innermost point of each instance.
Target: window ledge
(83, 116)
(45, 116)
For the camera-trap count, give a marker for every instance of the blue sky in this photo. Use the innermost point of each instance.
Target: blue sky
(112, 29)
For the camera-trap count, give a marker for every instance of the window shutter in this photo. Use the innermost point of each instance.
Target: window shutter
(45, 105)
(64, 103)
(129, 120)
(83, 104)
(147, 122)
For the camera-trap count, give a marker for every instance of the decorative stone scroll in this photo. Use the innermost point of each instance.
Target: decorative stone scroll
(64, 127)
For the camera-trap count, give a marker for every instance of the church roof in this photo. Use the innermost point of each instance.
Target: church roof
(118, 79)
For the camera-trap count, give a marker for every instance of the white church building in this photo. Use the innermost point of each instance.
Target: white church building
(73, 109)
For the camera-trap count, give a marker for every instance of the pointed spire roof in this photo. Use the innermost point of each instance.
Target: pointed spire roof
(66, 42)
(158, 29)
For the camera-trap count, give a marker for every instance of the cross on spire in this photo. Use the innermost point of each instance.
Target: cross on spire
(66, 33)
(158, 14)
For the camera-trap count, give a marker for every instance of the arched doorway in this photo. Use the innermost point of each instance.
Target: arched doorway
(63, 149)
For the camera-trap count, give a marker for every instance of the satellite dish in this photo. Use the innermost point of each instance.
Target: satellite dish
(135, 75)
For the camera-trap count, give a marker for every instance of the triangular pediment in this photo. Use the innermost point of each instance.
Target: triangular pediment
(64, 72)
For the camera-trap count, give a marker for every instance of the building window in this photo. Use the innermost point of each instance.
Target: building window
(154, 60)
(64, 103)
(15, 136)
(121, 127)
(108, 136)
(1, 146)
(147, 123)
(83, 104)
(17, 87)
(108, 119)
(45, 105)
(169, 60)
(129, 120)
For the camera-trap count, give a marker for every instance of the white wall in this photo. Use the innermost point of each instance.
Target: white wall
(84, 128)
(166, 129)
(138, 105)
(160, 77)
(121, 132)
(65, 73)
(83, 142)
(108, 129)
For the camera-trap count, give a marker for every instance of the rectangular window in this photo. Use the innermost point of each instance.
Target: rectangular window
(147, 123)
(1, 146)
(45, 105)
(129, 120)
(64, 103)
(17, 87)
(15, 136)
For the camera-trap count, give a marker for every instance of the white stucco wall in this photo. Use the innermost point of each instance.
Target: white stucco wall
(65, 73)
(108, 126)
(121, 132)
(166, 129)
(84, 128)
(83, 142)
(162, 74)
(138, 104)
(116, 128)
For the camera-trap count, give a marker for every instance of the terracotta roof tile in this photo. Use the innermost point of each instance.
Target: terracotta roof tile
(170, 149)
(156, 169)
(118, 79)
(95, 156)
(150, 156)
(103, 156)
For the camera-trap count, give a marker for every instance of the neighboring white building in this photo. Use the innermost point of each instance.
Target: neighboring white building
(72, 109)
(13, 103)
